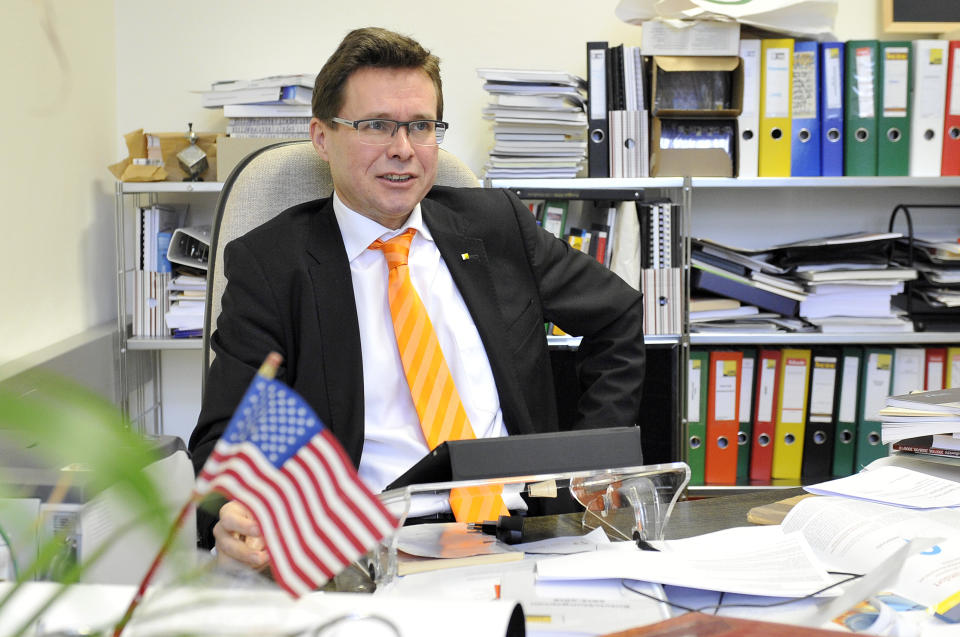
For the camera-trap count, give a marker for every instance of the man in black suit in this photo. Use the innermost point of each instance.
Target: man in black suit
(306, 285)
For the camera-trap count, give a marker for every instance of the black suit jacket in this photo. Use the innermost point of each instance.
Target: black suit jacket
(290, 290)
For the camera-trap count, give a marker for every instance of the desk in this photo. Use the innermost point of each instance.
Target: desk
(689, 517)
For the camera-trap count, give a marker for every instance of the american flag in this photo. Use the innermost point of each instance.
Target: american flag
(277, 459)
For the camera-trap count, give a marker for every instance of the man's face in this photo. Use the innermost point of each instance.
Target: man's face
(383, 183)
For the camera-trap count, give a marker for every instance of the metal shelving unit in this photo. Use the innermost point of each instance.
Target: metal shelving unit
(689, 191)
(138, 359)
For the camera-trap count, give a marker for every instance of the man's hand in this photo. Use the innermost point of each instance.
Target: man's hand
(238, 538)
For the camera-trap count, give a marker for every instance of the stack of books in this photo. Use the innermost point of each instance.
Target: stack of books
(275, 106)
(189, 256)
(152, 270)
(925, 423)
(539, 123)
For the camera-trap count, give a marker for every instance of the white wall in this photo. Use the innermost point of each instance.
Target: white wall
(219, 40)
(57, 118)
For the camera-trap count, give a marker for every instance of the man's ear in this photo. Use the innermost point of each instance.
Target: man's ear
(318, 135)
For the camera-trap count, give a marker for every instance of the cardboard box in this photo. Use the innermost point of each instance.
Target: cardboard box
(232, 150)
(696, 37)
(693, 162)
(671, 75)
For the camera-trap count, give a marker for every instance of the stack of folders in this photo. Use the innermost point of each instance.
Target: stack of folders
(539, 123)
(841, 283)
(152, 270)
(923, 423)
(764, 299)
(756, 415)
(933, 300)
(618, 109)
(856, 108)
(189, 255)
(660, 274)
(277, 106)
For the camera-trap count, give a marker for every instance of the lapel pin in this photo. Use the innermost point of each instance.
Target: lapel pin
(465, 256)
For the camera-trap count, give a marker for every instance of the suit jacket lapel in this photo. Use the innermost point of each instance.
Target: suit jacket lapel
(339, 331)
(467, 262)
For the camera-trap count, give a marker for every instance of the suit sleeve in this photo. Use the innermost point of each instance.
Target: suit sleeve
(586, 299)
(246, 331)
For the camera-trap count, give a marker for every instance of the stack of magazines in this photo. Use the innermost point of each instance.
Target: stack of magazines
(539, 123)
(923, 422)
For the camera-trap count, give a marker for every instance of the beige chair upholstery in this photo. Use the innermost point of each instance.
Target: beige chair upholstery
(267, 182)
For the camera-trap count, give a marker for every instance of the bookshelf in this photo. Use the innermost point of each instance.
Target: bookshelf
(767, 211)
(139, 359)
(773, 210)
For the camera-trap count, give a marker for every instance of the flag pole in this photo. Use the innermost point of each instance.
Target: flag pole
(268, 370)
(171, 536)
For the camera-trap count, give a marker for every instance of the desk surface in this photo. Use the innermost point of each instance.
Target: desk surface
(689, 518)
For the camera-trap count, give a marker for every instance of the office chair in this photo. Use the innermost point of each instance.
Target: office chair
(267, 182)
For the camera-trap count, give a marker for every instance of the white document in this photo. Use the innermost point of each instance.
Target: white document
(894, 485)
(750, 560)
(854, 536)
(725, 390)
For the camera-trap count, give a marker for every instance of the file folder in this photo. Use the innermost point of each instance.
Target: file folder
(818, 439)
(697, 383)
(831, 109)
(848, 403)
(776, 80)
(764, 419)
(748, 123)
(893, 125)
(745, 411)
(598, 142)
(723, 419)
(805, 125)
(875, 384)
(860, 109)
(953, 368)
(908, 370)
(927, 105)
(950, 163)
(935, 360)
(791, 414)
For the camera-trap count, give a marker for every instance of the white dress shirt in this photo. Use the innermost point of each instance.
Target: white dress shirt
(393, 439)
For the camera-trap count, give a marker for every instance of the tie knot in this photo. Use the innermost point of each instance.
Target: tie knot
(396, 249)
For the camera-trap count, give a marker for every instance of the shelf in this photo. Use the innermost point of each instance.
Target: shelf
(662, 183)
(587, 183)
(132, 188)
(713, 490)
(826, 182)
(573, 342)
(814, 338)
(163, 343)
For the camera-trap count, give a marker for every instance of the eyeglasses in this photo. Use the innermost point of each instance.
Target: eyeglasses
(380, 132)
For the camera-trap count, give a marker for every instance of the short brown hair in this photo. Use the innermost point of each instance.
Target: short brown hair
(370, 47)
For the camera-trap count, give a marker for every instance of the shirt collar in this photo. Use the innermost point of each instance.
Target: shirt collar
(359, 231)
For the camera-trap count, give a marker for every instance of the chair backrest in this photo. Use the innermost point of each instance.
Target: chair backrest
(265, 183)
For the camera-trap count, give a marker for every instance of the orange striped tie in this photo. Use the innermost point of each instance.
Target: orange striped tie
(441, 412)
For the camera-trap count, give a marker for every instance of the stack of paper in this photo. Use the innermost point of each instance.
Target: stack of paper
(274, 106)
(187, 304)
(539, 123)
(933, 299)
(842, 283)
(923, 422)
